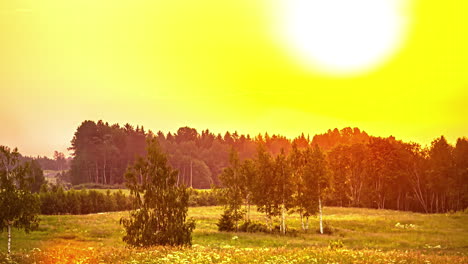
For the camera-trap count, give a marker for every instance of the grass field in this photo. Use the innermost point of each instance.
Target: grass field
(367, 236)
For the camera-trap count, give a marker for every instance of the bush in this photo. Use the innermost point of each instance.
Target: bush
(253, 227)
(226, 222)
(203, 197)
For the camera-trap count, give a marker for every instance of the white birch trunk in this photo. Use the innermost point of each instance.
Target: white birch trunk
(320, 215)
(9, 239)
(191, 175)
(283, 219)
(97, 173)
(104, 176)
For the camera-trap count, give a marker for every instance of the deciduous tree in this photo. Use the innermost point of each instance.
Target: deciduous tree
(19, 207)
(160, 206)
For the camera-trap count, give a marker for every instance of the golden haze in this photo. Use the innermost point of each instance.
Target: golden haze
(217, 65)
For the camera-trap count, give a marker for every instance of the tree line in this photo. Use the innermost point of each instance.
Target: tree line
(365, 171)
(382, 173)
(59, 162)
(102, 152)
(54, 200)
(386, 173)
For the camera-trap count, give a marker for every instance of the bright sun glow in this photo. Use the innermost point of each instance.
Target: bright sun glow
(344, 36)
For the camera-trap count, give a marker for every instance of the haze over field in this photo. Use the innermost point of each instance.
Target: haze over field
(250, 66)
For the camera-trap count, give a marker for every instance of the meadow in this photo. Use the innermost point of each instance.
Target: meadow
(359, 236)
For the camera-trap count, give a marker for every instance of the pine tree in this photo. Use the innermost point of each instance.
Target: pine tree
(160, 206)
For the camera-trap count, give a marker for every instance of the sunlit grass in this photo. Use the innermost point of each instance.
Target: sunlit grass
(368, 236)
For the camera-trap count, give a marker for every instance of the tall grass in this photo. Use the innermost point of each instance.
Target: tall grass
(366, 236)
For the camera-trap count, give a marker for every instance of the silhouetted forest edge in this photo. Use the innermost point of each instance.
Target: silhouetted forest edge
(364, 171)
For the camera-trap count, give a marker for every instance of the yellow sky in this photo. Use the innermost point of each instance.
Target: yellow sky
(218, 65)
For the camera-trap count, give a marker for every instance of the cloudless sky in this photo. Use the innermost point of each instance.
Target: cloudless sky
(219, 65)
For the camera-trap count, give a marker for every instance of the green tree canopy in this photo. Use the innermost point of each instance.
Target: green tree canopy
(160, 206)
(19, 207)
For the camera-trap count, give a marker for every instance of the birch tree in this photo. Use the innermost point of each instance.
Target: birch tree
(316, 179)
(283, 187)
(248, 176)
(19, 207)
(264, 189)
(299, 198)
(232, 180)
(160, 205)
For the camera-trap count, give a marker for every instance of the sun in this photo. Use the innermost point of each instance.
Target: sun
(343, 36)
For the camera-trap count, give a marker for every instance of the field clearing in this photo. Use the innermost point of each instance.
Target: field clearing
(51, 176)
(124, 191)
(367, 235)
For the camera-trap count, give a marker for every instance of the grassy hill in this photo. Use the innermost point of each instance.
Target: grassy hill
(360, 236)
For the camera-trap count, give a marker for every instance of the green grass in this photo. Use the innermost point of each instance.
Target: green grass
(369, 236)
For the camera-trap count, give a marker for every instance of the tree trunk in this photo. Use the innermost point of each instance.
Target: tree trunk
(111, 179)
(97, 173)
(420, 197)
(444, 203)
(320, 215)
(237, 221)
(178, 176)
(267, 218)
(283, 219)
(307, 223)
(191, 175)
(302, 221)
(248, 209)
(184, 177)
(104, 172)
(9, 239)
(398, 200)
(432, 203)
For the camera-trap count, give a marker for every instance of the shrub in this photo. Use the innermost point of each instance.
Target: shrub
(226, 222)
(203, 197)
(253, 227)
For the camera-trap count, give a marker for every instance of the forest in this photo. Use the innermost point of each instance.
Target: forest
(362, 170)
(101, 152)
